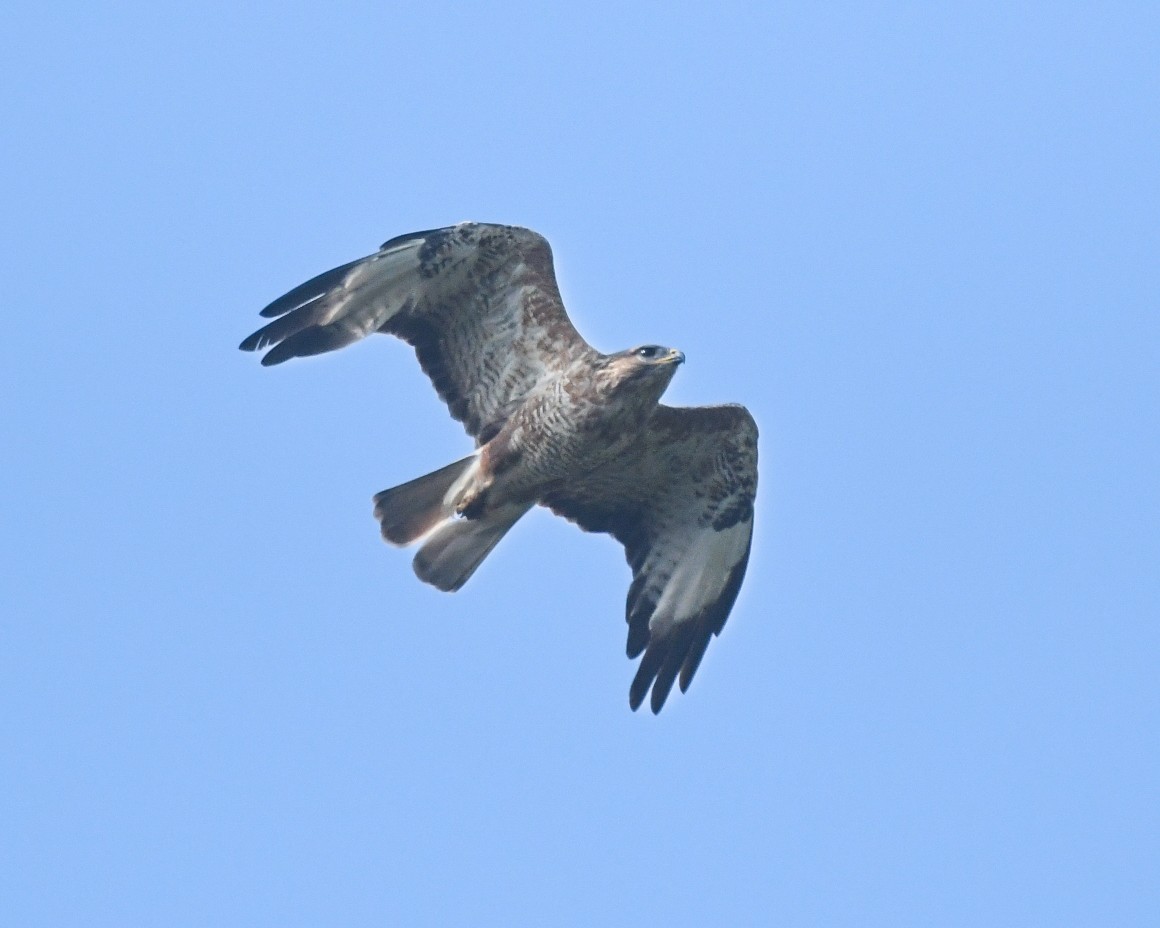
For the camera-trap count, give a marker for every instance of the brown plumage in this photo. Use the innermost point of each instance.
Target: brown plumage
(555, 423)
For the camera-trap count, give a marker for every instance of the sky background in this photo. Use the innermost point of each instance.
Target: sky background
(920, 241)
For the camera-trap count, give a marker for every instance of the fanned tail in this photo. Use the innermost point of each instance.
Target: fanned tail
(453, 546)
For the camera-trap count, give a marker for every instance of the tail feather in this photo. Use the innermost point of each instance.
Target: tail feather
(454, 550)
(409, 511)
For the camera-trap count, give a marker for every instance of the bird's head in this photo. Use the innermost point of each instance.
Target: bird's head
(648, 368)
(654, 355)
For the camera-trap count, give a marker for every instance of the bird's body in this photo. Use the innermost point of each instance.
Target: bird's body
(556, 423)
(574, 424)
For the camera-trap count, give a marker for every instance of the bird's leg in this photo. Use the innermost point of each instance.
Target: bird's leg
(497, 457)
(473, 503)
(473, 500)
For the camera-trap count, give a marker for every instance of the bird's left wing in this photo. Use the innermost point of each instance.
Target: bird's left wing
(478, 302)
(681, 503)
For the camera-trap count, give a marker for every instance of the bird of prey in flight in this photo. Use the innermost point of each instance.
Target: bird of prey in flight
(555, 422)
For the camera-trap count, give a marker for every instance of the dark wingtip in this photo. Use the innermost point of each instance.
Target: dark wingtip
(645, 675)
(693, 659)
(257, 341)
(637, 641)
(638, 609)
(663, 684)
(308, 292)
(275, 331)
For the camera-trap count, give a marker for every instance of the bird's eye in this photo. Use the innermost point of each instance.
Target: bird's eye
(648, 352)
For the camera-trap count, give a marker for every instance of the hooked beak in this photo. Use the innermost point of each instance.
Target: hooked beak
(676, 357)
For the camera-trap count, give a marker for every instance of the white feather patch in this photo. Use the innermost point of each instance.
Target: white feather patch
(377, 289)
(700, 576)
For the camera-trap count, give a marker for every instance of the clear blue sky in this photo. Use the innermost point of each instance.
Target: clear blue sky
(920, 241)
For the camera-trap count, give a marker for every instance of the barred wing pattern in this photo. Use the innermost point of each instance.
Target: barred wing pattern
(478, 302)
(681, 503)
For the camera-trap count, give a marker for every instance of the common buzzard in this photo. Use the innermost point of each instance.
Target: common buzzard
(555, 422)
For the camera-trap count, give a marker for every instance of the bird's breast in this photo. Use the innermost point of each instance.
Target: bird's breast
(557, 434)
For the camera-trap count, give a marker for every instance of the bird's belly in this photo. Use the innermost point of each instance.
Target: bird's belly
(540, 454)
